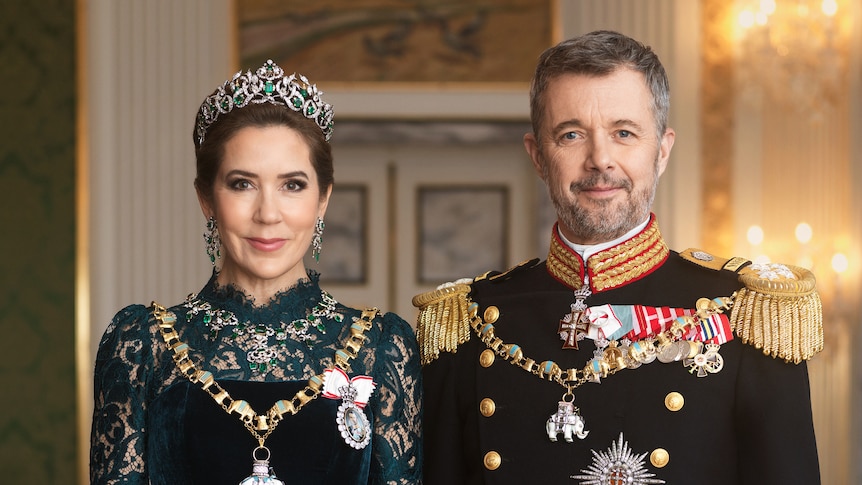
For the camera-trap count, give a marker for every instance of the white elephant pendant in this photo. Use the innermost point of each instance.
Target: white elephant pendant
(566, 420)
(261, 472)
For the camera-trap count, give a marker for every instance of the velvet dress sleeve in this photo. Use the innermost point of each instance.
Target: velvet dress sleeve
(397, 440)
(123, 365)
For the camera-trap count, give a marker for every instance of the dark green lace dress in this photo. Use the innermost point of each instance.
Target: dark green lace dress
(152, 425)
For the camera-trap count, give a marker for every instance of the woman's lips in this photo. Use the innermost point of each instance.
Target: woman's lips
(267, 245)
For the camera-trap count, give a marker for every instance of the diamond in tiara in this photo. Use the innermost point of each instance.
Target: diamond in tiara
(266, 85)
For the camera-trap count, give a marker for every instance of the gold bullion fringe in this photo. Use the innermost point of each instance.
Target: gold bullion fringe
(782, 317)
(444, 322)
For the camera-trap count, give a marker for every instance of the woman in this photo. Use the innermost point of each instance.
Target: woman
(261, 377)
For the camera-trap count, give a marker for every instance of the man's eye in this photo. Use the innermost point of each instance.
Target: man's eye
(570, 136)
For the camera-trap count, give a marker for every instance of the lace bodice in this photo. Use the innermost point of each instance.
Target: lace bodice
(297, 333)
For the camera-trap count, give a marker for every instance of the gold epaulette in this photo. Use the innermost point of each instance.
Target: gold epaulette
(443, 323)
(778, 310)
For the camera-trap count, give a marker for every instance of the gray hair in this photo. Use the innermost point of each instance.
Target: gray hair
(600, 53)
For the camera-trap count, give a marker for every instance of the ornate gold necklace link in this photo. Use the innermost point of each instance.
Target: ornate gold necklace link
(612, 360)
(260, 426)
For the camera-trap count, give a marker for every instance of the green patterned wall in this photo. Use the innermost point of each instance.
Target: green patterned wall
(37, 242)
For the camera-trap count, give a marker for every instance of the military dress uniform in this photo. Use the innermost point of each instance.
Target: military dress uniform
(714, 390)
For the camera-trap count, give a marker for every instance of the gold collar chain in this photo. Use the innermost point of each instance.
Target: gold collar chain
(260, 426)
(668, 346)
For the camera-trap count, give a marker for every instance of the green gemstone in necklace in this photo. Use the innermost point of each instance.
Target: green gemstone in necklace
(255, 339)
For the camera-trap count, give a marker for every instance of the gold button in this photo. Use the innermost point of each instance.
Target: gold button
(486, 358)
(492, 460)
(492, 313)
(659, 457)
(674, 401)
(487, 407)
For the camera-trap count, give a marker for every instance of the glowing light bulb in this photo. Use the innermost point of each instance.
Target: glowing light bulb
(746, 19)
(767, 6)
(840, 263)
(803, 233)
(755, 235)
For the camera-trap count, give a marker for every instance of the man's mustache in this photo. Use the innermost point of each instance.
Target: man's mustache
(601, 180)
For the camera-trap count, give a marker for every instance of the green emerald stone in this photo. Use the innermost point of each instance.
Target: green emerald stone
(208, 318)
(238, 99)
(310, 110)
(252, 365)
(224, 104)
(269, 87)
(304, 93)
(297, 102)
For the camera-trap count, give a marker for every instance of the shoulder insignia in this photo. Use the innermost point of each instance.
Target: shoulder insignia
(443, 323)
(707, 260)
(778, 309)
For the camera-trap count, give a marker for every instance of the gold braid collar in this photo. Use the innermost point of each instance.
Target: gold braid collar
(610, 268)
(778, 310)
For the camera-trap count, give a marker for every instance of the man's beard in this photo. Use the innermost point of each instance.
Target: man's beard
(603, 222)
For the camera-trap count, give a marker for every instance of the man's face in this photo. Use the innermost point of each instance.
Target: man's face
(599, 153)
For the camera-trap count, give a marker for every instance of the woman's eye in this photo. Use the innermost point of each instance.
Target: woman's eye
(240, 184)
(295, 185)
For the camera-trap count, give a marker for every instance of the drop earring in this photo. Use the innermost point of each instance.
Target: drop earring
(317, 240)
(213, 241)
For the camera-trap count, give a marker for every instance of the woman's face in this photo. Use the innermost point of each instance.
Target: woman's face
(266, 201)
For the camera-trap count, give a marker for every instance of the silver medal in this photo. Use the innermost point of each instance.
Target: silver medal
(351, 420)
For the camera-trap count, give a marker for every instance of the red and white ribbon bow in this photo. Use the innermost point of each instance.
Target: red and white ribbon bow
(603, 321)
(336, 379)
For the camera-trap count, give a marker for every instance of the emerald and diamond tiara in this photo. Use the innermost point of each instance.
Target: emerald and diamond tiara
(266, 85)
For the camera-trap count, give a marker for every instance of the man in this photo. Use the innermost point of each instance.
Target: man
(616, 360)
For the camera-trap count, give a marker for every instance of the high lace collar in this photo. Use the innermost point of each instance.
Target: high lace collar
(286, 305)
(610, 268)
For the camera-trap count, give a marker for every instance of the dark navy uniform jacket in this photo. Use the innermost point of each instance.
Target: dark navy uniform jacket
(750, 423)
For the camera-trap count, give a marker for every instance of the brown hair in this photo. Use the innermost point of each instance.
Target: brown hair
(600, 53)
(211, 152)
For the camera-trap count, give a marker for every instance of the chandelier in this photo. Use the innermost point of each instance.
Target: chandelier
(795, 51)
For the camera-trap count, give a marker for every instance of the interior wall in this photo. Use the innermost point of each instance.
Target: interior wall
(854, 330)
(790, 166)
(146, 227)
(145, 234)
(37, 277)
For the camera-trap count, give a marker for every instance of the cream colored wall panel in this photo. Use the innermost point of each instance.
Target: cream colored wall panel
(150, 65)
(366, 167)
(459, 167)
(671, 28)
